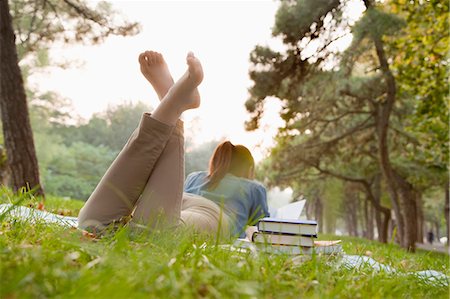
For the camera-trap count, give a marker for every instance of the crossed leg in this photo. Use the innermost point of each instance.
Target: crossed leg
(160, 202)
(163, 199)
(123, 183)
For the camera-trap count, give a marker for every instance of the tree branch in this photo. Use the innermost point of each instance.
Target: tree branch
(362, 126)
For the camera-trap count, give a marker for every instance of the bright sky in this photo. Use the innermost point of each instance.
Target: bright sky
(220, 33)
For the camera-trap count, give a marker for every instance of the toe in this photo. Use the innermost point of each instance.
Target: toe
(154, 56)
(159, 58)
(150, 58)
(191, 60)
(142, 58)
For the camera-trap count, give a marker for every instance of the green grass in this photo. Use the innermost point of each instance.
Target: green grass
(41, 260)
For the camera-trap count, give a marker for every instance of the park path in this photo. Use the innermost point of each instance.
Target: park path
(433, 247)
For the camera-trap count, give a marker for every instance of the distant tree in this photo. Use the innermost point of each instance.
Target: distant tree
(74, 170)
(197, 158)
(339, 106)
(37, 24)
(40, 23)
(73, 158)
(421, 62)
(110, 128)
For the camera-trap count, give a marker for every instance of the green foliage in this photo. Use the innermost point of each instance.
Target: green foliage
(41, 260)
(48, 109)
(298, 19)
(376, 24)
(332, 111)
(40, 23)
(75, 170)
(197, 158)
(433, 207)
(110, 128)
(38, 26)
(73, 158)
(331, 194)
(421, 64)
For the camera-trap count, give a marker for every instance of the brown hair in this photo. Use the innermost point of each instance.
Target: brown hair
(229, 158)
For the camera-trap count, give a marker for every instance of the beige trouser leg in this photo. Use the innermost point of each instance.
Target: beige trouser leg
(119, 189)
(163, 203)
(160, 202)
(148, 176)
(204, 215)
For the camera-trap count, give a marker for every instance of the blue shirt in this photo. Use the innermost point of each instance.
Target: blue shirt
(243, 200)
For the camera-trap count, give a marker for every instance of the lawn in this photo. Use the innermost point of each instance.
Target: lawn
(41, 260)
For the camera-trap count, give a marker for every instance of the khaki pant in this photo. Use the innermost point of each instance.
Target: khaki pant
(146, 181)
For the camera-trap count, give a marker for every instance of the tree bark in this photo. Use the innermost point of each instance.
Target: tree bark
(319, 213)
(400, 191)
(351, 208)
(437, 230)
(383, 215)
(373, 197)
(420, 222)
(366, 219)
(5, 173)
(369, 212)
(20, 150)
(447, 211)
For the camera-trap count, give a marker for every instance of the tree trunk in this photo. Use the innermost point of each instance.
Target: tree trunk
(20, 151)
(356, 202)
(5, 173)
(447, 211)
(383, 231)
(400, 191)
(351, 208)
(369, 221)
(420, 222)
(319, 213)
(375, 192)
(438, 231)
(365, 222)
(374, 197)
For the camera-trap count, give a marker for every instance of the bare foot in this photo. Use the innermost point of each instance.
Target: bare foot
(185, 89)
(155, 70)
(183, 95)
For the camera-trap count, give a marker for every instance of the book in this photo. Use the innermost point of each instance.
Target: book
(283, 239)
(322, 243)
(295, 250)
(287, 226)
(334, 248)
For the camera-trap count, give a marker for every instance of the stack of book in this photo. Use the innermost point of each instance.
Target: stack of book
(292, 236)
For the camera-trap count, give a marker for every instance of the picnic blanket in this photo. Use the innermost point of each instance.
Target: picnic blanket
(357, 262)
(34, 215)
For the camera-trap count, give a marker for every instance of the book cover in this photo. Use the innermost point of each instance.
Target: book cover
(283, 239)
(289, 221)
(246, 244)
(287, 226)
(295, 250)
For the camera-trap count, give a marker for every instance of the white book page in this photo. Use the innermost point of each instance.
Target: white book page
(291, 211)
